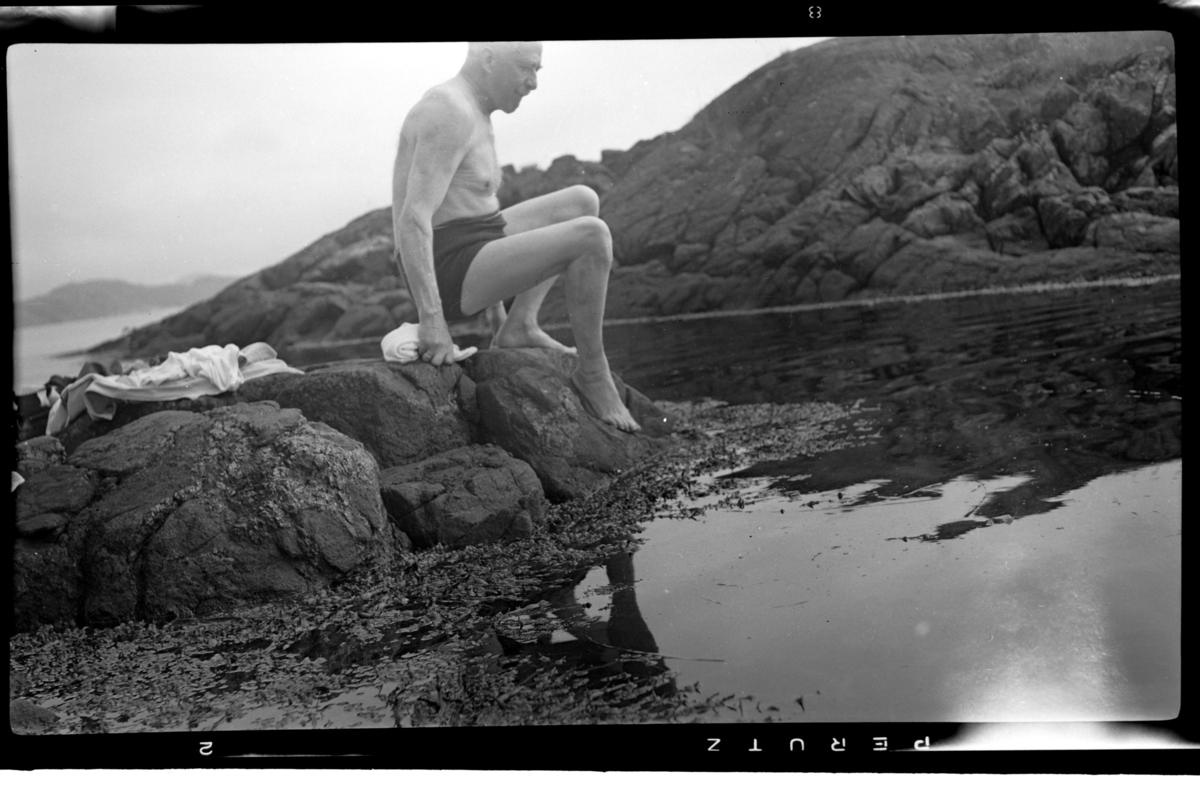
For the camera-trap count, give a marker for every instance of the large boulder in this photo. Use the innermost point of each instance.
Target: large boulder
(1136, 231)
(183, 513)
(529, 407)
(466, 496)
(400, 413)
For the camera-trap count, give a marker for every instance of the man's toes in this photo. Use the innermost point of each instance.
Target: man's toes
(625, 422)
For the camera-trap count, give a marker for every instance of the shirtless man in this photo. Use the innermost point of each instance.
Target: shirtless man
(461, 256)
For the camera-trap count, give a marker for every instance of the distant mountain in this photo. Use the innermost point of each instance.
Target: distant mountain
(100, 298)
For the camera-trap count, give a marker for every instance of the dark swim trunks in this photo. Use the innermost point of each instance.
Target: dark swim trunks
(455, 245)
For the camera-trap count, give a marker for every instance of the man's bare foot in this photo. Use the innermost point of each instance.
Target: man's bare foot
(600, 398)
(496, 315)
(511, 336)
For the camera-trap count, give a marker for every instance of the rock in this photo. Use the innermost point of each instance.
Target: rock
(689, 256)
(1164, 153)
(1126, 102)
(834, 286)
(366, 260)
(400, 413)
(861, 252)
(1081, 137)
(195, 512)
(529, 408)
(27, 717)
(1018, 233)
(1137, 232)
(309, 318)
(49, 497)
(38, 453)
(467, 496)
(363, 321)
(1056, 101)
(1162, 201)
(1065, 218)
(564, 171)
(946, 214)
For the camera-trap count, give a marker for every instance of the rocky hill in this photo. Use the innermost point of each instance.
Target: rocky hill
(855, 168)
(100, 298)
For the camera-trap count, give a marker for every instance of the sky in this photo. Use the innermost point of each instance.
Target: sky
(154, 163)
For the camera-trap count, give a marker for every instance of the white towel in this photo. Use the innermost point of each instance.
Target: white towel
(400, 345)
(199, 372)
(218, 364)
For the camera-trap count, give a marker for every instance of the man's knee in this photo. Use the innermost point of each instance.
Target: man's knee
(584, 200)
(594, 236)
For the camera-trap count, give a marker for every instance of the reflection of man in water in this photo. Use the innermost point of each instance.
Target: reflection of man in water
(624, 630)
(461, 256)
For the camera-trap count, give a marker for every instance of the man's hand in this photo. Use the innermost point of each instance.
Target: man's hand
(434, 344)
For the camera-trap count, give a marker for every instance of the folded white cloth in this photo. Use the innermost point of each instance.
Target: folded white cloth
(199, 372)
(17, 481)
(400, 345)
(219, 364)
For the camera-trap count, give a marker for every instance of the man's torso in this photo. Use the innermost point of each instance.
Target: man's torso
(472, 189)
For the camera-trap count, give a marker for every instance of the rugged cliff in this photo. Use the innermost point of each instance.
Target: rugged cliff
(854, 168)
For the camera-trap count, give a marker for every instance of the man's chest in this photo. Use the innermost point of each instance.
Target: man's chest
(479, 169)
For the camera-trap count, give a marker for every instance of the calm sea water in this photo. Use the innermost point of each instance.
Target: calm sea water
(1005, 547)
(43, 351)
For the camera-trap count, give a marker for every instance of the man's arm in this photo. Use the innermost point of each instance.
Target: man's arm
(442, 137)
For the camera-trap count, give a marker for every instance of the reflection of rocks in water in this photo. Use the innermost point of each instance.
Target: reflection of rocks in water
(1064, 390)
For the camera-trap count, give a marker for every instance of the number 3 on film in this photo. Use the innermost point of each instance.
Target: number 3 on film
(814, 12)
(206, 748)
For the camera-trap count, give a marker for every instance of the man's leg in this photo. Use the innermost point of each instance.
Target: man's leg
(521, 328)
(580, 248)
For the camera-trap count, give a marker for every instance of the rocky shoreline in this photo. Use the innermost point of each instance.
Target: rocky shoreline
(435, 636)
(189, 563)
(186, 508)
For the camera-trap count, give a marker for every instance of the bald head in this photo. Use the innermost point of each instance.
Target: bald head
(505, 50)
(502, 73)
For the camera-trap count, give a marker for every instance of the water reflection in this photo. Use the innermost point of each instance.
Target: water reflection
(607, 646)
(833, 614)
(1014, 433)
(1064, 386)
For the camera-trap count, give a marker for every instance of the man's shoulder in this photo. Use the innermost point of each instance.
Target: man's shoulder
(442, 106)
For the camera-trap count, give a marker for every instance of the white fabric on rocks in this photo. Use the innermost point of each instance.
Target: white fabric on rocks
(198, 372)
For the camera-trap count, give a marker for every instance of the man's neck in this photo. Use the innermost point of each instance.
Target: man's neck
(478, 94)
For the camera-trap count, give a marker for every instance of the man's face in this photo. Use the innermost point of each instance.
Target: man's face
(516, 75)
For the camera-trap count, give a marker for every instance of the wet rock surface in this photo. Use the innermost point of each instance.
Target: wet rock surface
(489, 635)
(466, 496)
(182, 513)
(400, 413)
(528, 406)
(182, 507)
